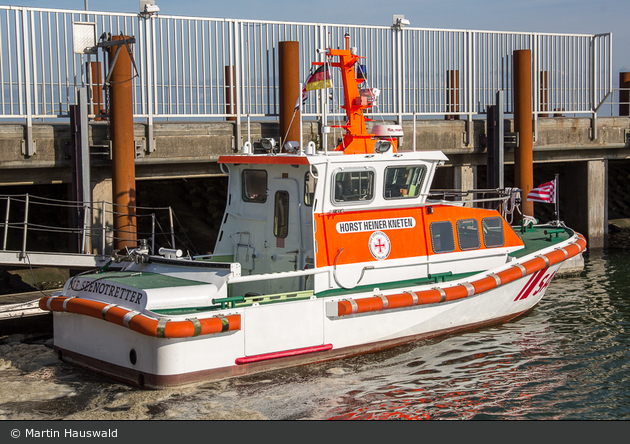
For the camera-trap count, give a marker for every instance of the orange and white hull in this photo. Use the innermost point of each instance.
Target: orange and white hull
(132, 347)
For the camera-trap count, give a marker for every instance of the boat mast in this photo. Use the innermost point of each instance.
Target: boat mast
(356, 140)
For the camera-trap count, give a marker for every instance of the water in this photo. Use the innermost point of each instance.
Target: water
(566, 359)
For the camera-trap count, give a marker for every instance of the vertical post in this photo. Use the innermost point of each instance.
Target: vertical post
(289, 79)
(28, 148)
(6, 224)
(400, 58)
(151, 69)
(557, 196)
(103, 239)
(414, 131)
(83, 152)
(323, 94)
(452, 96)
(492, 159)
(501, 141)
(25, 231)
(97, 94)
(170, 214)
(544, 93)
(624, 93)
(123, 147)
(85, 240)
(597, 203)
(230, 92)
(524, 153)
(153, 233)
(496, 144)
(301, 130)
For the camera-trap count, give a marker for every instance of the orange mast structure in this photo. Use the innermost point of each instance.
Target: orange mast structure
(356, 140)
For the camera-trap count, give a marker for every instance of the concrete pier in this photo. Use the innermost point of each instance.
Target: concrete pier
(188, 150)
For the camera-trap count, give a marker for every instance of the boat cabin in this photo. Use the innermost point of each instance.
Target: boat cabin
(364, 218)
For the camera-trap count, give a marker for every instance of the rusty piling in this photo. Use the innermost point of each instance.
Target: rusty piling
(544, 93)
(452, 86)
(524, 153)
(123, 147)
(289, 76)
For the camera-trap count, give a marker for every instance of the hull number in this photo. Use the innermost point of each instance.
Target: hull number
(536, 284)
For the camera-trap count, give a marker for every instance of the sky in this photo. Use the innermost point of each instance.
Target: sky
(548, 16)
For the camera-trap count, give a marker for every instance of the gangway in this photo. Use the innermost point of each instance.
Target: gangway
(43, 232)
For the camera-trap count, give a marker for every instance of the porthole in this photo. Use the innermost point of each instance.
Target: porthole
(133, 357)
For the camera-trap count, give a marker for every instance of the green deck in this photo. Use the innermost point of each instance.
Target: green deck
(535, 238)
(144, 280)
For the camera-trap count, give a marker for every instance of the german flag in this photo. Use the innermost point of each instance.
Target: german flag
(319, 79)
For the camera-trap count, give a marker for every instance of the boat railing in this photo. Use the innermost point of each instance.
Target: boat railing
(506, 200)
(40, 224)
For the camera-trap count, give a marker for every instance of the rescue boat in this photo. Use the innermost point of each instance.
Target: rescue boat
(321, 255)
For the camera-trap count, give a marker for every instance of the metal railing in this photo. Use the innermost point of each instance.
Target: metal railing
(40, 224)
(507, 201)
(184, 66)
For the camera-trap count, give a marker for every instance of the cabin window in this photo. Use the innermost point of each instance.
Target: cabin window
(442, 238)
(255, 186)
(468, 234)
(493, 232)
(310, 182)
(353, 186)
(403, 182)
(281, 214)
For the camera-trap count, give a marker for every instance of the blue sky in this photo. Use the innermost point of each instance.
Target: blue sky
(550, 16)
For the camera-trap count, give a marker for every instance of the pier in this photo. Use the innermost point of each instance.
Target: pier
(204, 87)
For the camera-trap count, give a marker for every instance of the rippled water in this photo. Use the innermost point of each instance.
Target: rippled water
(566, 359)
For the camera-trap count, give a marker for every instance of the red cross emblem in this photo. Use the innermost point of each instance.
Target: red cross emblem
(379, 245)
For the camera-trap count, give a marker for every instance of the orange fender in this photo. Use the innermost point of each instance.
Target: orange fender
(139, 322)
(487, 283)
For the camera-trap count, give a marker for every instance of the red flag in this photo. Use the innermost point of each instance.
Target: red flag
(543, 193)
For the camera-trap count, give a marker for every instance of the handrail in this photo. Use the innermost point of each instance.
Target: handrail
(409, 65)
(508, 199)
(85, 232)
